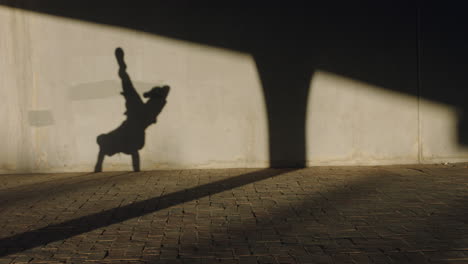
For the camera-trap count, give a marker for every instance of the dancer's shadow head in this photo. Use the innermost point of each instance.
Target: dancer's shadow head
(156, 102)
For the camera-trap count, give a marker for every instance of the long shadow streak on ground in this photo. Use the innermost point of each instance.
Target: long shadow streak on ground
(51, 233)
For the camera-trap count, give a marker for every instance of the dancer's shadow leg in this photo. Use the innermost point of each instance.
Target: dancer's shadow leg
(100, 160)
(136, 161)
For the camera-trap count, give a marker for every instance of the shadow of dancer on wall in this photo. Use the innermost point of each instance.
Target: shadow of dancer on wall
(129, 137)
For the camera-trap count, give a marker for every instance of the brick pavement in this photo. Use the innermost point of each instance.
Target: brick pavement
(384, 214)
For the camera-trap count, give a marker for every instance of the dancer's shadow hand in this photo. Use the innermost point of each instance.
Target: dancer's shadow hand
(119, 54)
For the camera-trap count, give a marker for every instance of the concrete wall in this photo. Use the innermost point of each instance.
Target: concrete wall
(60, 90)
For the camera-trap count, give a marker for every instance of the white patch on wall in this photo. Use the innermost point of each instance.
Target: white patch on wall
(39, 118)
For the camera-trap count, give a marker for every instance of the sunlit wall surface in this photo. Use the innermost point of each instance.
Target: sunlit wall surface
(353, 122)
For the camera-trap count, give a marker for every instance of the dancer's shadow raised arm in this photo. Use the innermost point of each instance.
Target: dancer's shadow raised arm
(132, 98)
